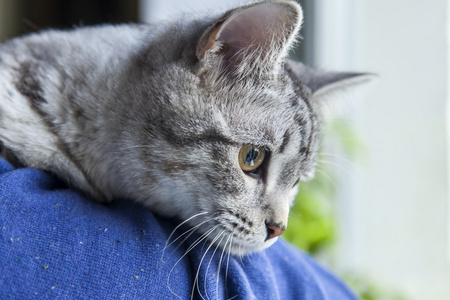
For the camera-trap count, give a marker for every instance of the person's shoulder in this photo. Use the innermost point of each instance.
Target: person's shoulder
(305, 275)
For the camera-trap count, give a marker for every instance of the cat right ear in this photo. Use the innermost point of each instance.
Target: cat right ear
(325, 86)
(250, 41)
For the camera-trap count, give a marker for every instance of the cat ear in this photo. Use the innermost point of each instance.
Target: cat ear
(323, 85)
(251, 39)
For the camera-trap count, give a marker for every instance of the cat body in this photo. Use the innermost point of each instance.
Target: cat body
(159, 114)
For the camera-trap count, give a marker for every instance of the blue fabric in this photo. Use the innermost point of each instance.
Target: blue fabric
(54, 243)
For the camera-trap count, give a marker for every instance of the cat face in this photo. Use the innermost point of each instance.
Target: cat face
(267, 144)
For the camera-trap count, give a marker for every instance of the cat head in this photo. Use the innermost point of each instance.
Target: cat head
(235, 126)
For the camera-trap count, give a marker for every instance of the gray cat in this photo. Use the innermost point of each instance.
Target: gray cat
(201, 119)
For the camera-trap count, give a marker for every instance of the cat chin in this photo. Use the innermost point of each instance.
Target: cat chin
(241, 250)
(269, 243)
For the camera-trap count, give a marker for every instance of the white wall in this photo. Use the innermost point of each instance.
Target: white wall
(394, 207)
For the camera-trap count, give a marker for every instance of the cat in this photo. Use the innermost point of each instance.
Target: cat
(203, 119)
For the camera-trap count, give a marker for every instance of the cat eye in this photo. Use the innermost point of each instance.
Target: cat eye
(251, 157)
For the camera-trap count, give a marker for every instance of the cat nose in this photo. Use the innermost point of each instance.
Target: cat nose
(274, 230)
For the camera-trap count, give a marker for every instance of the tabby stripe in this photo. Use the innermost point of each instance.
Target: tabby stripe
(30, 87)
(286, 138)
(313, 120)
(210, 136)
(303, 93)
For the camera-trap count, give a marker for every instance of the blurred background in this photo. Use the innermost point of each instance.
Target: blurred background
(378, 212)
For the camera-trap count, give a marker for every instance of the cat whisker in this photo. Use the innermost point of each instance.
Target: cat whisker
(329, 162)
(192, 230)
(198, 241)
(328, 177)
(184, 222)
(340, 157)
(220, 264)
(187, 236)
(209, 264)
(228, 260)
(200, 265)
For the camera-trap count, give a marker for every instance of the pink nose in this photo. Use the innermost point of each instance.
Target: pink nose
(273, 230)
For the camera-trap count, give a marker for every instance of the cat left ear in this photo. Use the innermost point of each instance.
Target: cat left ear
(325, 85)
(252, 39)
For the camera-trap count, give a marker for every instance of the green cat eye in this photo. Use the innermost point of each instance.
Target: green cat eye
(251, 157)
